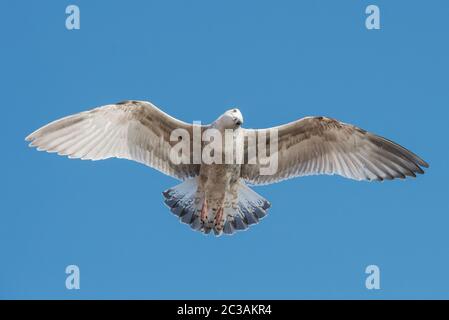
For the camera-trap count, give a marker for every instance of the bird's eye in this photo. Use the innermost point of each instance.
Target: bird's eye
(234, 110)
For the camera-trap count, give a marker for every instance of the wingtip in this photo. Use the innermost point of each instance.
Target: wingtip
(32, 142)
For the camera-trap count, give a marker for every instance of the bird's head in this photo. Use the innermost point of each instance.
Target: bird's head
(231, 119)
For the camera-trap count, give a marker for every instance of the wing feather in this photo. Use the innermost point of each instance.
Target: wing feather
(319, 145)
(134, 130)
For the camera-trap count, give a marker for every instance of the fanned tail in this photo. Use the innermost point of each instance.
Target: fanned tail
(181, 201)
(240, 212)
(251, 208)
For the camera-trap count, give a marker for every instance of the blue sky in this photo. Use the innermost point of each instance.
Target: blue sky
(277, 61)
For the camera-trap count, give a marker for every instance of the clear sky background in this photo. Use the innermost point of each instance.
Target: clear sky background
(277, 61)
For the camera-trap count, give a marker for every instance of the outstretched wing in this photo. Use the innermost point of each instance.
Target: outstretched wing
(134, 130)
(319, 145)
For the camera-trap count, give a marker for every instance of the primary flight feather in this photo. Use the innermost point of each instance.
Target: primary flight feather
(214, 196)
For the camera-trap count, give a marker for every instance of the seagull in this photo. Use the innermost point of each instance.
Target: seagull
(216, 196)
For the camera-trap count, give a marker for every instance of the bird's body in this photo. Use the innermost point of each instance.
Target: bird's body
(217, 186)
(214, 195)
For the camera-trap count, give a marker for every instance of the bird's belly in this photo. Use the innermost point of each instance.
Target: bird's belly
(217, 188)
(218, 178)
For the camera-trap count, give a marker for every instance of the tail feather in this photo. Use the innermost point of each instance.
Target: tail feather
(181, 201)
(185, 202)
(251, 207)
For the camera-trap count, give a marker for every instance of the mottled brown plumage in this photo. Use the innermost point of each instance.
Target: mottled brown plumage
(215, 196)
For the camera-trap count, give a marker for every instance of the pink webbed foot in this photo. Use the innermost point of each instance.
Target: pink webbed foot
(218, 219)
(203, 215)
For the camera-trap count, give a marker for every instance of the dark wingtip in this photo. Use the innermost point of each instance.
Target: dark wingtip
(419, 171)
(424, 164)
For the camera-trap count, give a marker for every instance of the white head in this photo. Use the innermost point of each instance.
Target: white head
(231, 119)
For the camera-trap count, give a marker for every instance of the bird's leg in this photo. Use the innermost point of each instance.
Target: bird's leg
(204, 211)
(218, 219)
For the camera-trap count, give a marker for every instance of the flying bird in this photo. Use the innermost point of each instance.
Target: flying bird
(215, 196)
